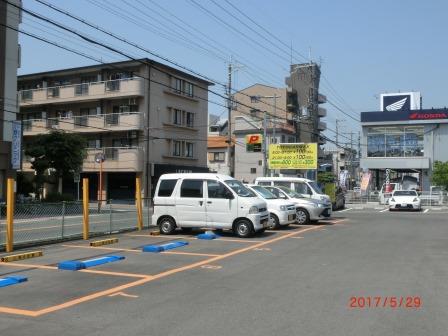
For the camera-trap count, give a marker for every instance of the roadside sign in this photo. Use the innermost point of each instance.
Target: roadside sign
(253, 142)
(293, 156)
(76, 177)
(365, 181)
(16, 145)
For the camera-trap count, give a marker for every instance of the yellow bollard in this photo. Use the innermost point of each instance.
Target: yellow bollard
(85, 208)
(10, 215)
(138, 194)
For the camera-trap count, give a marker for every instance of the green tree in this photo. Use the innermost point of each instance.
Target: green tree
(63, 152)
(325, 177)
(440, 174)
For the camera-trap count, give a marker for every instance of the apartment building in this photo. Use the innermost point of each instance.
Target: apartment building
(303, 88)
(10, 17)
(144, 117)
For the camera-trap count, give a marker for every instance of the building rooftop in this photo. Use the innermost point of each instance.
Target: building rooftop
(112, 66)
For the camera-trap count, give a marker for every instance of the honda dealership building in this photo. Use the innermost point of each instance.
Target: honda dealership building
(404, 138)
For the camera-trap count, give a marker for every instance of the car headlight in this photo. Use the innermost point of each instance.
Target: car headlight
(253, 210)
(415, 200)
(323, 198)
(320, 205)
(283, 207)
(392, 200)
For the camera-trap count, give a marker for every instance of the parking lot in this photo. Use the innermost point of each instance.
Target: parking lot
(297, 280)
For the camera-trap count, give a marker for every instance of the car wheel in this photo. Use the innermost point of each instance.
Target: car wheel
(303, 217)
(243, 228)
(167, 225)
(275, 222)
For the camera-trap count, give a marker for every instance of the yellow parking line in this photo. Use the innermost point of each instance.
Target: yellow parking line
(191, 253)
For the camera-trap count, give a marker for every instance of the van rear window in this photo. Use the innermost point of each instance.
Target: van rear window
(166, 188)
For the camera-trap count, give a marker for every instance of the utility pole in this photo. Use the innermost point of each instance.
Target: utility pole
(229, 118)
(337, 147)
(265, 146)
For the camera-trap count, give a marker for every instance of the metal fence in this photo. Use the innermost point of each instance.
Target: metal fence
(36, 223)
(427, 198)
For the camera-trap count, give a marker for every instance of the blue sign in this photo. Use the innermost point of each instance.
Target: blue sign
(16, 154)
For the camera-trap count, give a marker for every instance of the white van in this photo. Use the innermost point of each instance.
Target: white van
(203, 200)
(303, 186)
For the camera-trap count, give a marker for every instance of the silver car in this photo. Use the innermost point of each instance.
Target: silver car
(308, 210)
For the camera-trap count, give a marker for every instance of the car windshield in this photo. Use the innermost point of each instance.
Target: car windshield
(315, 187)
(291, 193)
(405, 193)
(240, 189)
(263, 192)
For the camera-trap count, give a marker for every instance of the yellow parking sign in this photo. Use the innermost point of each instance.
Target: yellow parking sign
(293, 156)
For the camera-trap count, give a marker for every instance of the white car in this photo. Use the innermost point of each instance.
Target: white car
(307, 209)
(282, 212)
(405, 200)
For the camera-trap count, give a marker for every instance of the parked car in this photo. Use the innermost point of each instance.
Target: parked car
(282, 212)
(308, 210)
(386, 195)
(203, 200)
(306, 187)
(405, 200)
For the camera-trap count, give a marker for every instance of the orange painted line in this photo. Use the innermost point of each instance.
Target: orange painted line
(15, 311)
(124, 294)
(191, 253)
(131, 275)
(101, 248)
(148, 278)
(297, 237)
(29, 265)
(91, 297)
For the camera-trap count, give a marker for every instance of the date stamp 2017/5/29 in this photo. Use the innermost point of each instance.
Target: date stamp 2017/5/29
(363, 302)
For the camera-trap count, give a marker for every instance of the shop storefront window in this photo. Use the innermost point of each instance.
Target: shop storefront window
(395, 141)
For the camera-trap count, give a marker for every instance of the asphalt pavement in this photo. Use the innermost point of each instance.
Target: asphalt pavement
(364, 272)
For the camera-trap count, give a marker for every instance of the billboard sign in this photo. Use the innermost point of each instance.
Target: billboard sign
(253, 142)
(293, 156)
(400, 101)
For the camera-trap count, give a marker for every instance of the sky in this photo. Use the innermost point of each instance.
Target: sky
(364, 47)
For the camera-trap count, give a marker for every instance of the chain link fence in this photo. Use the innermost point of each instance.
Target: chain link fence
(45, 222)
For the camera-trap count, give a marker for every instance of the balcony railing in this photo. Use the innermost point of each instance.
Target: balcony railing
(76, 92)
(117, 159)
(86, 123)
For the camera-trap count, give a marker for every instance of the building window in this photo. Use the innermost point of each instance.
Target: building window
(189, 119)
(188, 89)
(189, 149)
(94, 143)
(260, 162)
(254, 99)
(177, 148)
(216, 156)
(395, 141)
(254, 112)
(177, 117)
(253, 170)
(183, 87)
